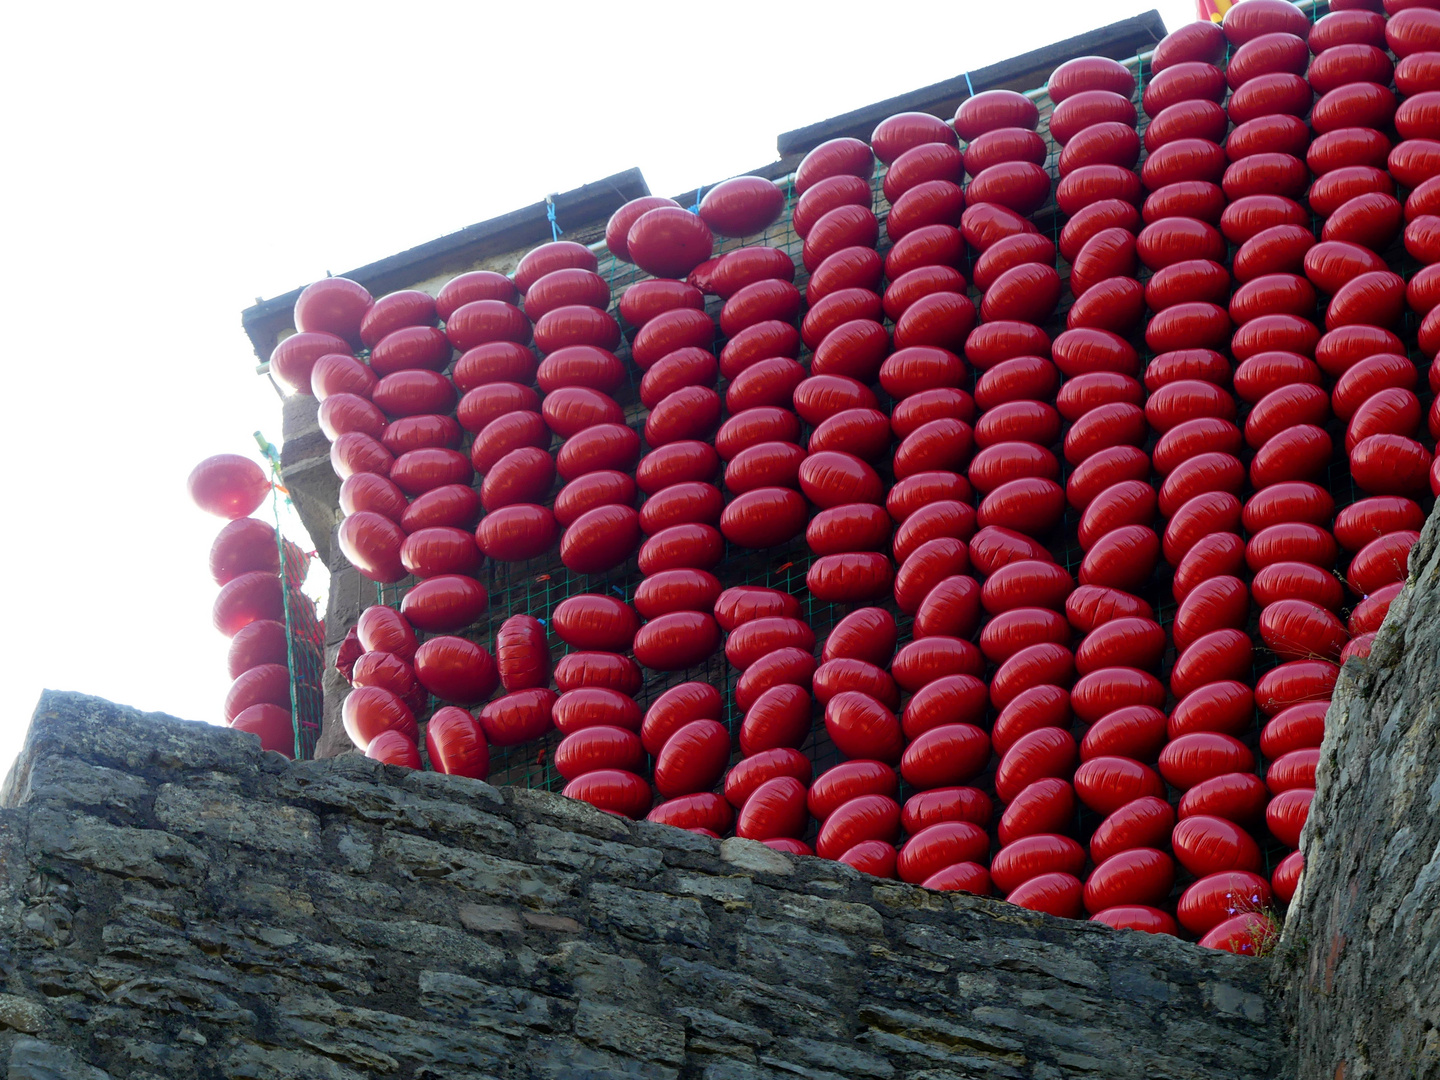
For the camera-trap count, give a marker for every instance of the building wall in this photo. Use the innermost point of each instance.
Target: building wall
(175, 903)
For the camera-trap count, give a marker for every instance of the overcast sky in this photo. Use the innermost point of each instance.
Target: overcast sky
(167, 164)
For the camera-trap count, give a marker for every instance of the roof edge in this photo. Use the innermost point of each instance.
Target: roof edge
(1118, 41)
(265, 320)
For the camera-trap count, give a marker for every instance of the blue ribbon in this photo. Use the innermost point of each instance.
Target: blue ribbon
(969, 85)
(555, 229)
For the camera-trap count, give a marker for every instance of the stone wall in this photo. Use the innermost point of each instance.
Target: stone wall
(174, 903)
(1359, 962)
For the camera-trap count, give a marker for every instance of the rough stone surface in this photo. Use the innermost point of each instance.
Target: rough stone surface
(1360, 956)
(176, 903)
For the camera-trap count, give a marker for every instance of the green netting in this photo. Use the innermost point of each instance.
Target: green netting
(535, 588)
(304, 635)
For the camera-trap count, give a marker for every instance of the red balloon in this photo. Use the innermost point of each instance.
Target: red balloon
(1033, 855)
(1137, 876)
(676, 463)
(677, 640)
(748, 774)
(849, 527)
(507, 432)
(595, 706)
(1286, 814)
(846, 673)
(937, 846)
(1207, 845)
(668, 242)
(368, 711)
(1057, 894)
(863, 818)
(774, 809)
(1040, 754)
(703, 810)
(615, 790)
(1237, 797)
(1214, 898)
(742, 206)
(692, 759)
(1105, 784)
(759, 634)
(945, 756)
(743, 603)
(600, 539)
(1046, 806)
(228, 485)
(861, 727)
(456, 670)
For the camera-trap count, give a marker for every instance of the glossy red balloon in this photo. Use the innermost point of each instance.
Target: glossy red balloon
(1136, 876)
(1145, 822)
(1041, 754)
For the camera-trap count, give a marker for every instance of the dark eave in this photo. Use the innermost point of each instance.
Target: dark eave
(1119, 41)
(594, 202)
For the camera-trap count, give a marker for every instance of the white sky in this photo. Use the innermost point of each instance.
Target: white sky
(166, 164)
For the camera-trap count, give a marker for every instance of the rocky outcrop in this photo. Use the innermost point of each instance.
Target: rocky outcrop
(1359, 963)
(174, 903)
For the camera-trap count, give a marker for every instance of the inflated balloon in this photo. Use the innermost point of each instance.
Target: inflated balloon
(702, 811)
(1369, 519)
(1371, 612)
(616, 790)
(1018, 629)
(1181, 82)
(668, 242)
(1136, 876)
(689, 502)
(945, 756)
(742, 206)
(774, 809)
(1206, 472)
(1339, 186)
(985, 224)
(595, 706)
(1104, 469)
(1388, 464)
(1042, 706)
(1033, 855)
(940, 845)
(1019, 186)
(1129, 641)
(692, 759)
(228, 485)
(727, 275)
(415, 393)
(1057, 894)
(1387, 412)
(1197, 41)
(1286, 814)
(1203, 435)
(264, 684)
(1045, 663)
(1038, 755)
(1381, 562)
(370, 710)
(1026, 583)
(688, 366)
(1100, 692)
(748, 774)
(836, 157)
(1215, 897)
(993, 110)
(1090, 607)
(1046, 806)
(1136, 731)
(688, 413)
(779, 717)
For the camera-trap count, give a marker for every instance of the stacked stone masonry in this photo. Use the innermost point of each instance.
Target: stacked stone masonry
(175, 903)
(1359, 964)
